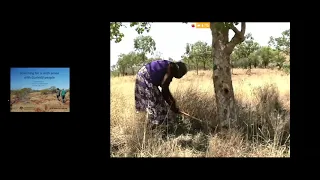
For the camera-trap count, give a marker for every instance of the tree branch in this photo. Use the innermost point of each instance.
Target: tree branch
(243, 28)
(235, 29)
(237, 38)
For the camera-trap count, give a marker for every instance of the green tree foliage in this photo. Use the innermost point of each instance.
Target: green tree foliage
(130, 61)
(243, 51)
(254, 59)
(196, 54)
(144, 45)
(266, 56)
(133, 59)
(186, 57)
(114, 70)
(250, 53)
(21, 94)
(281, 43)
(282, 46)
(202, 52)
(122, 63)
(117, 36)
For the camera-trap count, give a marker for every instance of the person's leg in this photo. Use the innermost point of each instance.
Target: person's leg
(157, 109)
(164, 109)
(140, 93)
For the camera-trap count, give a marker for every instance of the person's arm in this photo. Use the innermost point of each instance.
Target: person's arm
(166, 91)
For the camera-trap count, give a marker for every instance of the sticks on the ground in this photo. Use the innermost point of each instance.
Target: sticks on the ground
(186, 114)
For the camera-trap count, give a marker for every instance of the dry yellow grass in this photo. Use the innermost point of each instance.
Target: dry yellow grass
(37, 102)
(263, 105)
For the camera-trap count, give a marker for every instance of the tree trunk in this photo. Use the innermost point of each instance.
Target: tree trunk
(204, 65)
(143, 60)
(279, 64)
(223, 86)
(222, 80)
(197, 66)
(132, 71)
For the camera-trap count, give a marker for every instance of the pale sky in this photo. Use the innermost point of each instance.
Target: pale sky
(171, 38)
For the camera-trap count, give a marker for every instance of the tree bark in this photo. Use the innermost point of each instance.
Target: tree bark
(222, 71)
(197, 66)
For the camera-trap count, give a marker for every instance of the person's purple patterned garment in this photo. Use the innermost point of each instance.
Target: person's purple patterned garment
(157, 69)
(149, 98)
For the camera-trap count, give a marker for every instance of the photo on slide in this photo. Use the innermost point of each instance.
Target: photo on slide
(40, 90)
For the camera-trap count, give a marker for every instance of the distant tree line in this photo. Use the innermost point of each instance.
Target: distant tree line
(23, 93)
(199, 55)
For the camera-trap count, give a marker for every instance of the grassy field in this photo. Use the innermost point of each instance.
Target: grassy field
(37, 102)
(263, 108)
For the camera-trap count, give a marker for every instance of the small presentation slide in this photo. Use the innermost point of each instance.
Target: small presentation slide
(40, 90)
